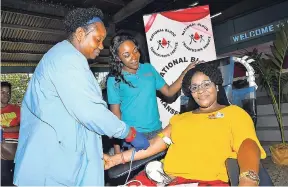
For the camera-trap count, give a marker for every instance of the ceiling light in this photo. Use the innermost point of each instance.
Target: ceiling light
(215, 15)
(194, 4)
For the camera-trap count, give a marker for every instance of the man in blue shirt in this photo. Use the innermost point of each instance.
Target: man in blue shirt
(64, 115)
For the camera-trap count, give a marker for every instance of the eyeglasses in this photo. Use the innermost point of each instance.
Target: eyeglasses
(204, 85)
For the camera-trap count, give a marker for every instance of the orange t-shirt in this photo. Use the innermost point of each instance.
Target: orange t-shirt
(10, 117)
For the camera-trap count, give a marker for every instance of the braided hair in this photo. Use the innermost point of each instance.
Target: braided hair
(116, 64)
(211, 70)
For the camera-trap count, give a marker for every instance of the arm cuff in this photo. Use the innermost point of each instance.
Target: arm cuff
(125, 132)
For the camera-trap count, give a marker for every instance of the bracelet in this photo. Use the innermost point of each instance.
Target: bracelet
(250, 175)
(123, 160)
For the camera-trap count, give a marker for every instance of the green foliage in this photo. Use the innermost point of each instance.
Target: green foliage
(20, 81)
(270, 71)
(19, 85)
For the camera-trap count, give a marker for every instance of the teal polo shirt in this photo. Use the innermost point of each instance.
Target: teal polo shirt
(138, 104)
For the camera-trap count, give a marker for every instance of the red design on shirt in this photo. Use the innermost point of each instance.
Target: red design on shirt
(10, 117)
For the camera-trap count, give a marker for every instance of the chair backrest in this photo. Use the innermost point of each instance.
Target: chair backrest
(226, 66)
(244, 97)
(233, 171)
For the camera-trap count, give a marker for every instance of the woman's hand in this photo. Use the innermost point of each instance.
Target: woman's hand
(190, 66)
(111, 161)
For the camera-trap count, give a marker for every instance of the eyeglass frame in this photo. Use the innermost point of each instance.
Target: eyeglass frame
(202, 86)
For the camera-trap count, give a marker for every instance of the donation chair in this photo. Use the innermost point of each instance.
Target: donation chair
(243, 97)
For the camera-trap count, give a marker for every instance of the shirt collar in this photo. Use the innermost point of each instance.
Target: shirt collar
(127, 73)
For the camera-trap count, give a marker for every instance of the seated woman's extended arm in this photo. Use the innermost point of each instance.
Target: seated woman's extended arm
(156, 146)
(249, 160)
(247, 146)
(249, 156)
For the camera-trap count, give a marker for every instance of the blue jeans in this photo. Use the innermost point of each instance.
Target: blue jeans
(7, 170)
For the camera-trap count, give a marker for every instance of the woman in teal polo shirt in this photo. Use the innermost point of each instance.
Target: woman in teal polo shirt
(131, 88)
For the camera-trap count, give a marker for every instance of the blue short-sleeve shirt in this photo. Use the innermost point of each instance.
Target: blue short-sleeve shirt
(138, 104)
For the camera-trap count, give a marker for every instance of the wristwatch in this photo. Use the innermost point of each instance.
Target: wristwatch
(252, 175)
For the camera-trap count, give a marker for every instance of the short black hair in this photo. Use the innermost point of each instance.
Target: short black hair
(6, 84)
(79, 17)
(208, 69)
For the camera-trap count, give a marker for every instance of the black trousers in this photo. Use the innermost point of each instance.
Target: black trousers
(7, 171)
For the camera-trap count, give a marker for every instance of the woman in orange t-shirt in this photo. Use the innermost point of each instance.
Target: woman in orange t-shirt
(204, 138)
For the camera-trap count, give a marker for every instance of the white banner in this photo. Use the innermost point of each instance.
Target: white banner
(175, 39)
